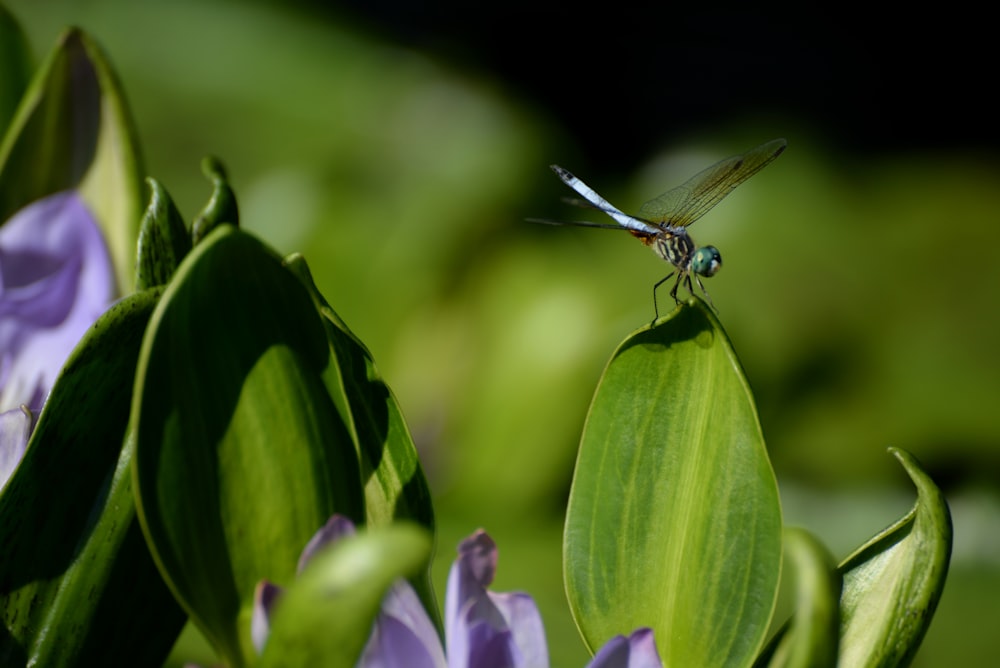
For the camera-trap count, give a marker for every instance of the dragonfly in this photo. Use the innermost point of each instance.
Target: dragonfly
(662, 222)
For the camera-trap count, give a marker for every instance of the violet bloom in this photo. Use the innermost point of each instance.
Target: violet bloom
(635, 651)
(15, 427)
(56, 278)
(484, 629)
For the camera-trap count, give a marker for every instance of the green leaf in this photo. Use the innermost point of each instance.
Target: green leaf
(395, 486)
(73, 131)
(893, 583)
(15, 66)
(241, 455)
(77, 583)
(674, 520)
(325, 617)
(163, 239)
(810, 638)
(221, 207)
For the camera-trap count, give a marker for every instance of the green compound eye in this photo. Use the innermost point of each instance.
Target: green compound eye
(706, 261)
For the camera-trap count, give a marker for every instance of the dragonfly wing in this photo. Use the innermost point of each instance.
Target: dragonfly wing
(688, 202)
(598, 202)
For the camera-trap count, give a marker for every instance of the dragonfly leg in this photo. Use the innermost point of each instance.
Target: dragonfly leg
(683, 278)
(673, 293)
(702, 286)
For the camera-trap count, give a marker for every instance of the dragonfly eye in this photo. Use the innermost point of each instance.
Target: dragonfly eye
(706, 261)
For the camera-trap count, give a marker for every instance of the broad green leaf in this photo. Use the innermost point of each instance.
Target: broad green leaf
(674, 520)
(15, 66)
(163, 239)
(241, 455)
(77, 584)
(73, 131)
(811, 636)
(893, 583)
(325, 617)
(395, 486)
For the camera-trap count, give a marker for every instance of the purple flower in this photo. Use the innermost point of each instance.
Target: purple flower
(484, 629)
(15, 427)
(635, 651)
(56, 278)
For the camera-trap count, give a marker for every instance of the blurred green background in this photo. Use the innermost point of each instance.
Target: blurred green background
(400, 149)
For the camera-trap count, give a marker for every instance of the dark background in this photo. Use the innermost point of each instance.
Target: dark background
(621, 79)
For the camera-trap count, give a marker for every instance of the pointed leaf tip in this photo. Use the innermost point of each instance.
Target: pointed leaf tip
(893, 583)
(163, 239)
(221, 207)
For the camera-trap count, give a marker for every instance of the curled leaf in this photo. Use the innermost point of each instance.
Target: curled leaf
(810, 638)
(893, 583)
(221, 207)
(73, 131)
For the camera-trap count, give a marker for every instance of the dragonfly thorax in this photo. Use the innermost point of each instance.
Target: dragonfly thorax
(676, 247)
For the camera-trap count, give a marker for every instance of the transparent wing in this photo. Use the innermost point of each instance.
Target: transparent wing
(686, 203)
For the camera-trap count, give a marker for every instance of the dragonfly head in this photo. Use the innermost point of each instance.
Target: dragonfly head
(706, 261)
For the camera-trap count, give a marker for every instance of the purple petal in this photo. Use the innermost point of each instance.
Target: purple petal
(15, 427)
(403, 635)
(636, 651)
(488, 647)
(265, 595)
(525, 622)
(56, 278)
(486, 629)
(336, 527)
(471, 573)
(466, 599)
